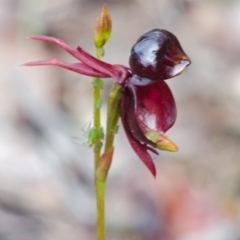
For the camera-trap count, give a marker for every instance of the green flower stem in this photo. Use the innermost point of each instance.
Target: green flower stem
(97, 120)
(100, 197)
(99, 184)
(104, 163)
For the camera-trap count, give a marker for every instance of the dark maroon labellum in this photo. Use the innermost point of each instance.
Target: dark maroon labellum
(157, 55)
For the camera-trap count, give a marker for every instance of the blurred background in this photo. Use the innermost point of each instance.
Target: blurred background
(46, 167)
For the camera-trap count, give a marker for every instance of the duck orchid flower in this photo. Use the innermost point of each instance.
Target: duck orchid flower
(147, 106)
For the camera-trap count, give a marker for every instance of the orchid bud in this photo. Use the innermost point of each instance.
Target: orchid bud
(158, 55)
(103, 28)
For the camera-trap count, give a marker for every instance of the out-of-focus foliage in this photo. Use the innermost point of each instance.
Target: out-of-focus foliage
(46, 167)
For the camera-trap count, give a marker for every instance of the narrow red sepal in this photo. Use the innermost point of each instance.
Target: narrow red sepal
(75, 67)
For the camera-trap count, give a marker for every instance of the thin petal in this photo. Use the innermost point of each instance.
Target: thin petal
(75, 67)
(73, 51)
(135, 135)
(141, 151)
(118, 72)
(152, 150)
(156, 109)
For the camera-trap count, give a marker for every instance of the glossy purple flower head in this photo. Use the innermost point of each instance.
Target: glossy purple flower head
(158, 55)
(147, 108)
